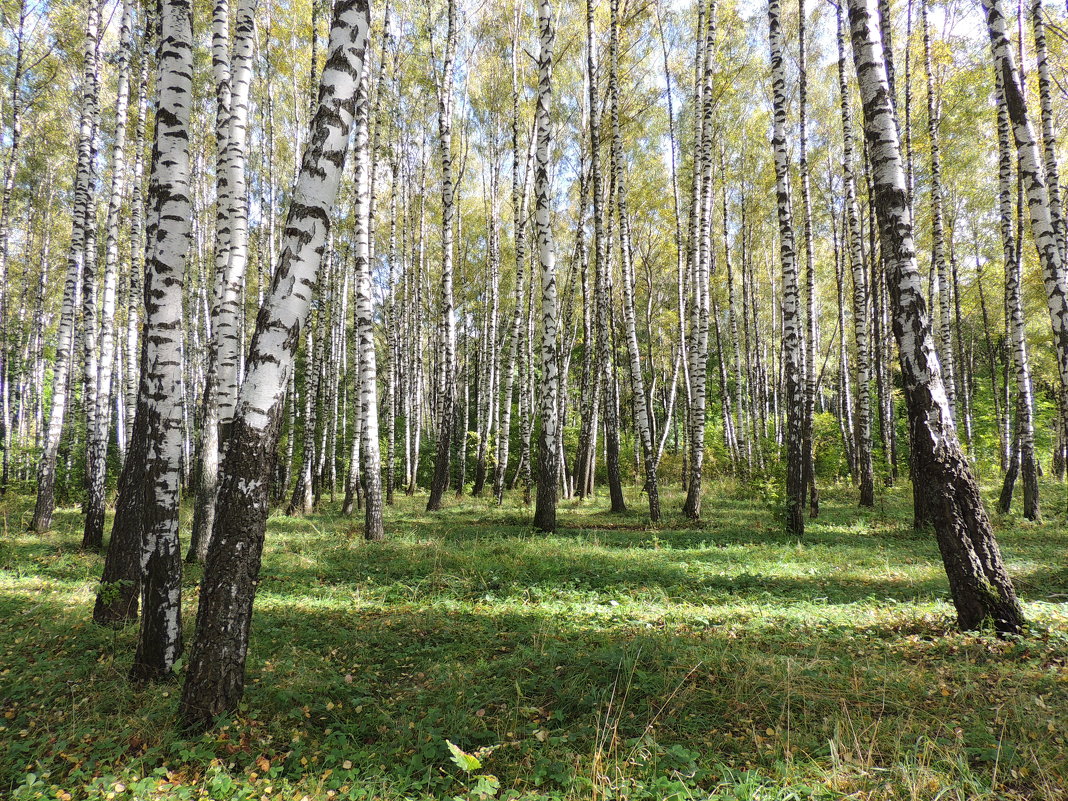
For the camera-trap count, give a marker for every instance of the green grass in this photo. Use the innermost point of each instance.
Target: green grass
(610, 661)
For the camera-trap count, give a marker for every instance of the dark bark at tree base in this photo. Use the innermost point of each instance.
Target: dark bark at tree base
(119, 595)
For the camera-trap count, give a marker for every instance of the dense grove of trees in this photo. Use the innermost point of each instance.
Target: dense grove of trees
(257, 256)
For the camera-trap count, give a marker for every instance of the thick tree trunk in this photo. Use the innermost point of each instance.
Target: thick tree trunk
(981, 588)
(159, 400)
(215, 679)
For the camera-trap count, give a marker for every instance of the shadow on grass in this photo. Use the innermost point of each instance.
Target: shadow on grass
(381, 689)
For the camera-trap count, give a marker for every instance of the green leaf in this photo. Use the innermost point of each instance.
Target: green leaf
(464, 761)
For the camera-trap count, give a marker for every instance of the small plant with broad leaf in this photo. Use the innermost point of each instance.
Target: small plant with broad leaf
(486, 785)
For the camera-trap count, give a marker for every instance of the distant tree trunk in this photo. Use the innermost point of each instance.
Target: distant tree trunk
(96, 468)
(10, 167)
(135, 290)
(978, 581)
(364, 323)
(511, 356)
(159, 400)
(83, 209)
(1043, 222)
(1023, 451)
(602, 279)
(810, 341)
(548, 446)
(862, 434)
(642, 414)
(791, 301)
(938, 237)
(700, 262)
(443, 456)
(215, 678)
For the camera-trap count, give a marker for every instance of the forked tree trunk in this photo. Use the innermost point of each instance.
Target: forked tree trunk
(216, 675)
(981, 588)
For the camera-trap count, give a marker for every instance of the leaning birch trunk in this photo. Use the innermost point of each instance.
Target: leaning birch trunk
(46, 473)
(1038, 199)
(1025, 426)
(791, 312)
(443, 455)
(978, 581)
(862, 423)
(548, 454)
(93, 535)
(159, 402)
(1049, 140)
(642, 415)
(215, 679)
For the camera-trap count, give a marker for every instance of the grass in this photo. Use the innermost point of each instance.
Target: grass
(613, 660)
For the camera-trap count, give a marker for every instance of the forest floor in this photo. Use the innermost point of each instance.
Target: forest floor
(614, 660)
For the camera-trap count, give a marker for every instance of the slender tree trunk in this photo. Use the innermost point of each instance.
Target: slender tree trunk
(810, 341)
(368, 374)
(215, 678)
(1023, 458)
(862, 433)
(791, 312)
(700, 262)
(978, 581)
(642, 413)
(548, 451)
(83, 206)
(1043, 225)
(443, 454)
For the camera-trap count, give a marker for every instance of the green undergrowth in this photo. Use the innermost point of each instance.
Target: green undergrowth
(614, 660)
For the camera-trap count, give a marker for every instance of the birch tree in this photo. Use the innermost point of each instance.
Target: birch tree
(1033, 182)
(642, 415)
(855, 249)
(215, 678)
(159, 400)
(791, 300)
(447, 368)
(545, 508)
(979, 583)
(46, 472)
